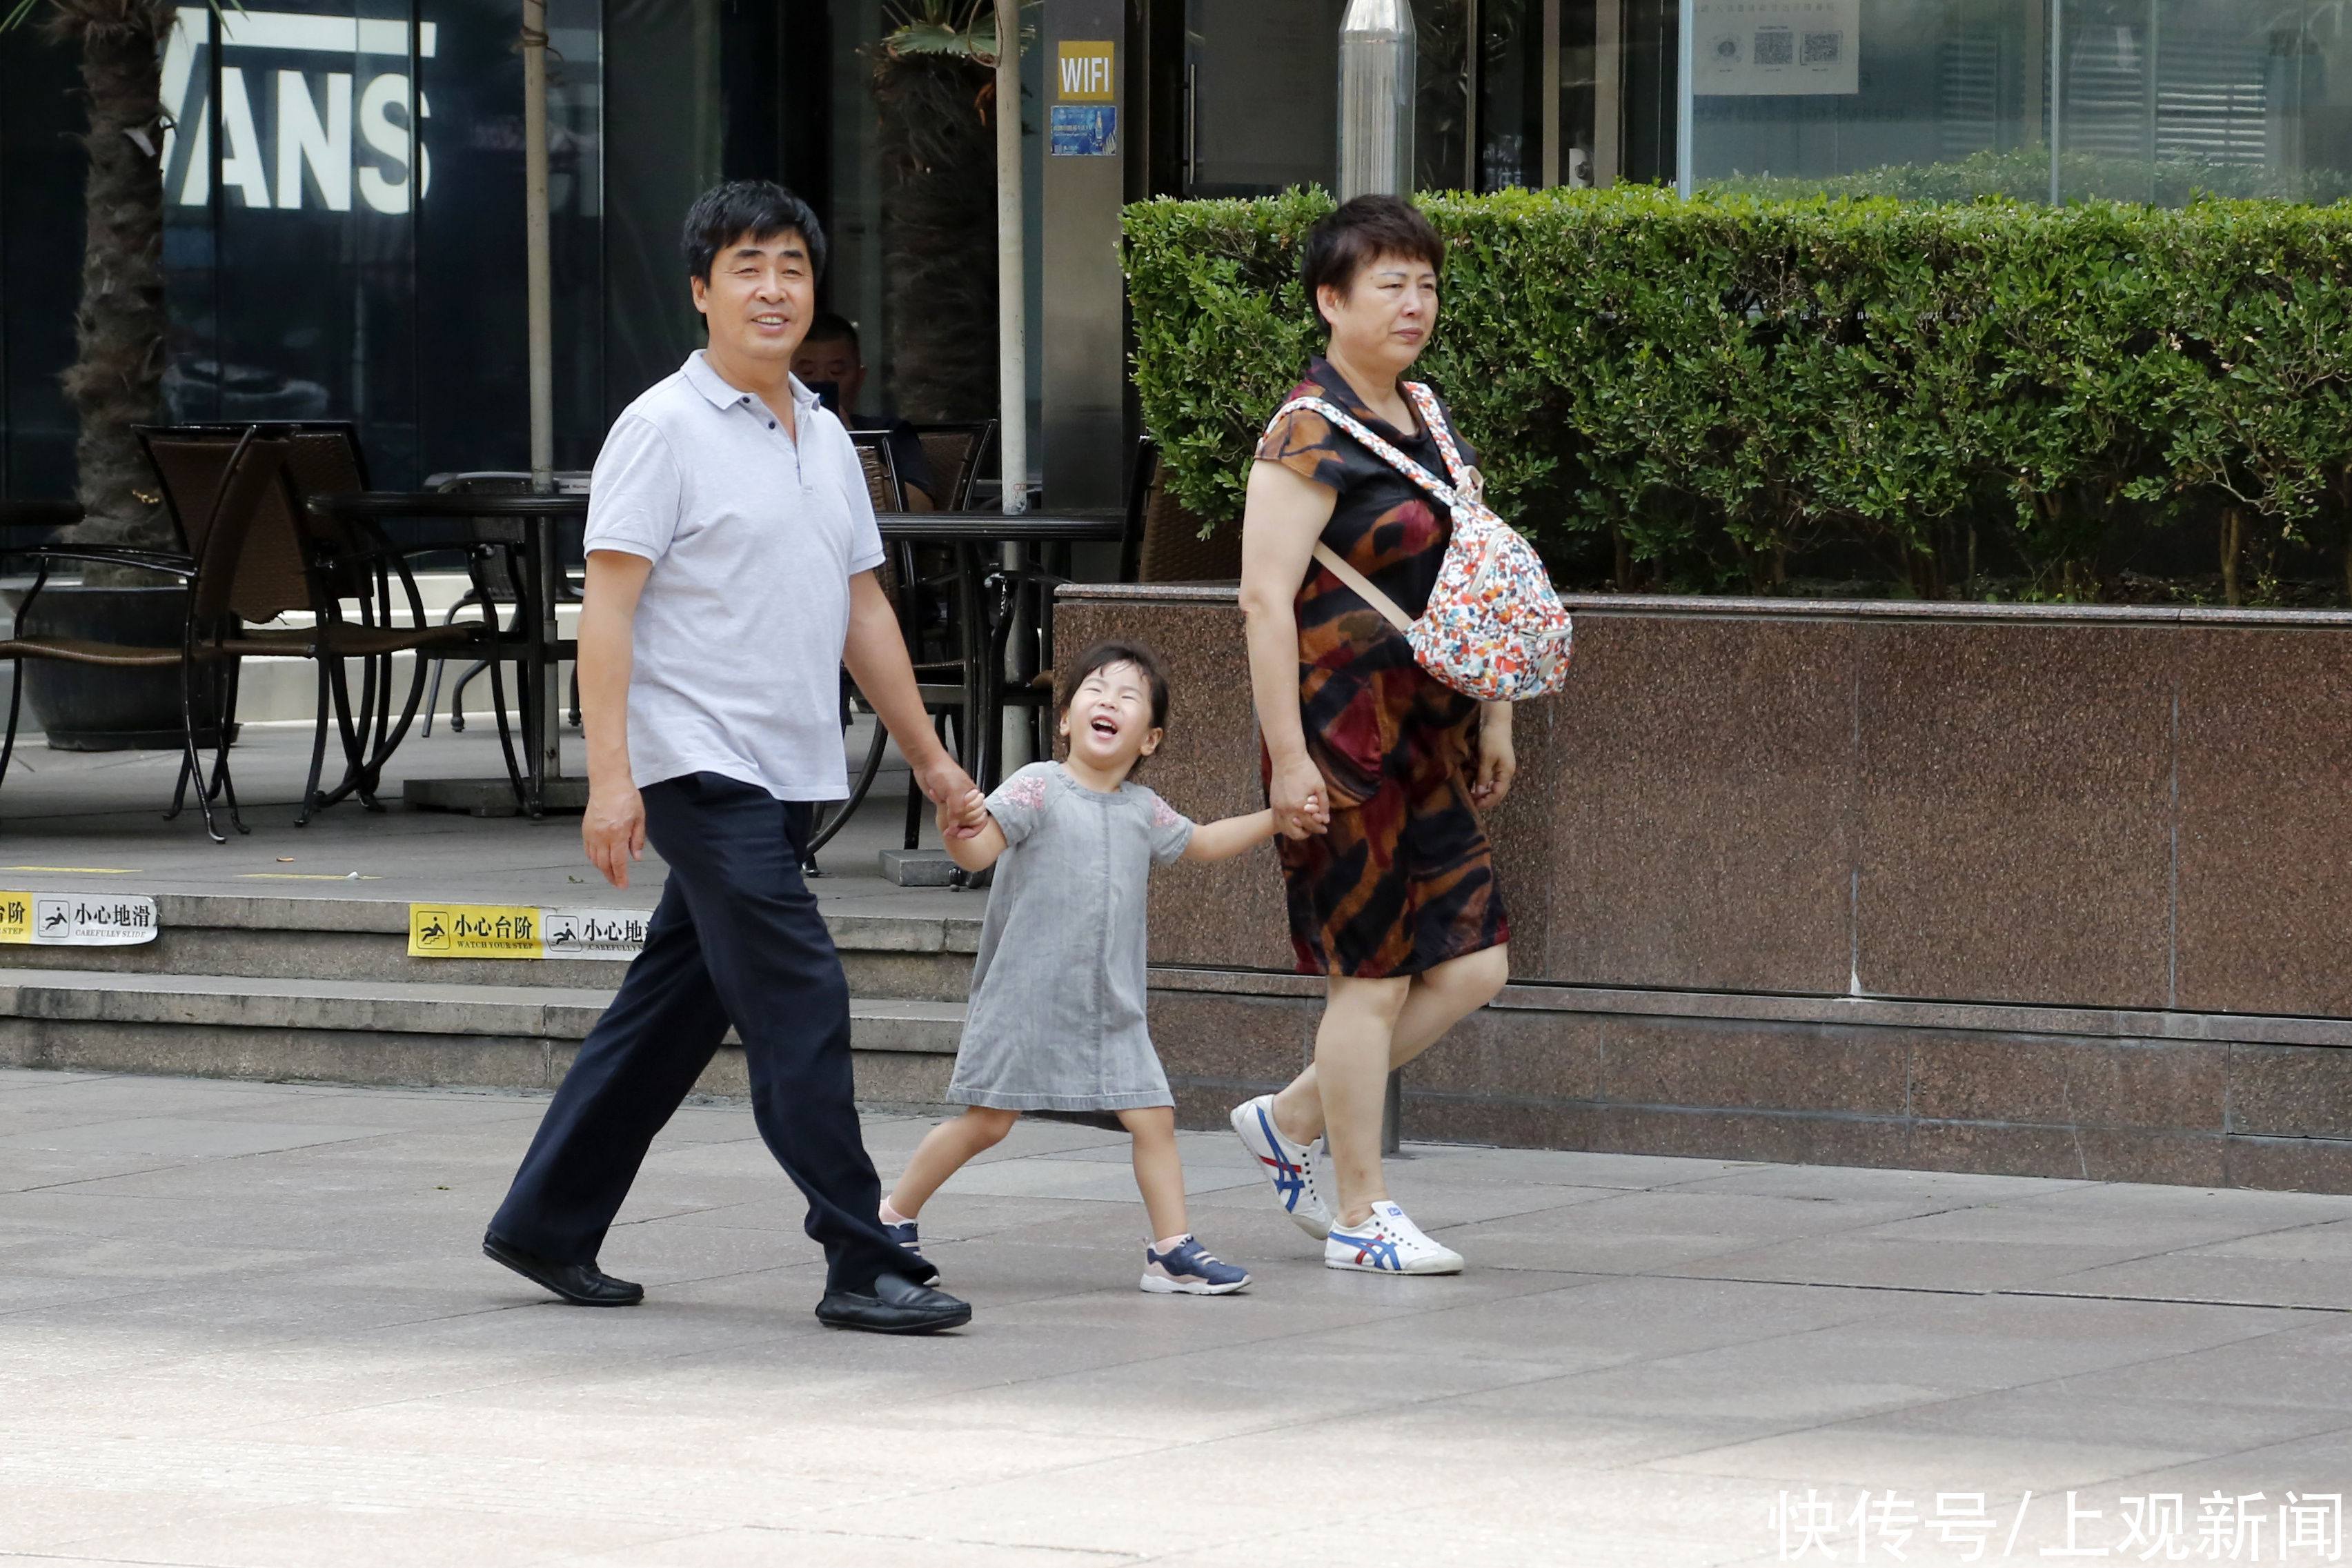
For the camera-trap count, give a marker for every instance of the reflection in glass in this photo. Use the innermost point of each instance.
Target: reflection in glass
(2151, 100)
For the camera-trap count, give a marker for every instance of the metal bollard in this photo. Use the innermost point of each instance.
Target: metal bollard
(1377, 46)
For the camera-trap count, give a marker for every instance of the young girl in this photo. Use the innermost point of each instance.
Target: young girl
(1056, 1020)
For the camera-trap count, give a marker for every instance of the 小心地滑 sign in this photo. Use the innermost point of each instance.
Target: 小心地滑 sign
(77, 919)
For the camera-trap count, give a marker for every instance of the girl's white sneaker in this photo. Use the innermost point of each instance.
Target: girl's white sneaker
(1290, 1166)
(1388, 1243)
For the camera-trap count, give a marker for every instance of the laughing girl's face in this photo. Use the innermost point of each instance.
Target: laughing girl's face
(1109, 721)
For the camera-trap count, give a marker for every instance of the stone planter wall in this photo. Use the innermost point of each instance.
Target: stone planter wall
(2044, 890)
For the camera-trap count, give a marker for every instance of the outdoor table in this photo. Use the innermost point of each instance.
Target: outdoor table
(969, 534)
(545, 788)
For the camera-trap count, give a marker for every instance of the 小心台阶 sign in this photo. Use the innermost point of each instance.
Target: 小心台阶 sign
(523, 931)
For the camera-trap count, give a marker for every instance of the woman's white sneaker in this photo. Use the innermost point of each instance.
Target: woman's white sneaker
(1388, 1243)
(1290, 1166)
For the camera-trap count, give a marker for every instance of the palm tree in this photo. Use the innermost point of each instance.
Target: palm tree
(117, 375)
(934, 90)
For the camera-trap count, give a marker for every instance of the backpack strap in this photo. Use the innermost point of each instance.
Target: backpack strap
(1379, 446)
(1468, 481)
(1390, 609)
(1389, 452)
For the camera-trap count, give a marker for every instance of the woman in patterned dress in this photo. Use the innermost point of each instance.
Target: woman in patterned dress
(1376, 771)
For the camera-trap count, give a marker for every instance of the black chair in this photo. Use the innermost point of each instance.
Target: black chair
(494, 568)
(929, 618)
(1019, 596)
(249, 559)
(347, 563)
(954, 451)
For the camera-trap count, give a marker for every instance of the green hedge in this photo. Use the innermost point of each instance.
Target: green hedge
(2022, 174)
(1695, 394)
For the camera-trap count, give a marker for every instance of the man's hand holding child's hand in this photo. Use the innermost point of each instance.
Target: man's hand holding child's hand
(963, 818)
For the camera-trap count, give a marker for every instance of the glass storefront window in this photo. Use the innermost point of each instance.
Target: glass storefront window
(2134, 100)
(1262, 94)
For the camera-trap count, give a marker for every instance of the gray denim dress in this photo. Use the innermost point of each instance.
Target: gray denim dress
(1056, 1020)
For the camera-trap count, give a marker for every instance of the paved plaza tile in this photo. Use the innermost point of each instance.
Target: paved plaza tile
(246, 1325)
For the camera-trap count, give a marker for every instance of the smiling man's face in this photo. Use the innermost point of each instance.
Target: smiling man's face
(760, 296)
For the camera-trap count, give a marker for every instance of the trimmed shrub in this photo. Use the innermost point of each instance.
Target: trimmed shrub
(1694, 394)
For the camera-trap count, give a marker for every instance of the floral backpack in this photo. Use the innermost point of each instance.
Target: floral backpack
(1493, 629)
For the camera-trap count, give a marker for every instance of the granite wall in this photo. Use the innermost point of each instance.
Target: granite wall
(2038, 889)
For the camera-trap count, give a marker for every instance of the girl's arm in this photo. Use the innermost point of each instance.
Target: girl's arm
(1223, 839)
(979, 852)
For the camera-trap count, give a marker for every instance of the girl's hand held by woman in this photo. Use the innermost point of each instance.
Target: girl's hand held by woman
(1298, 796)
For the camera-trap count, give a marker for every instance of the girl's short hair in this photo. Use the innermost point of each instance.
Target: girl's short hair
(1102, 656)
(1363, 230)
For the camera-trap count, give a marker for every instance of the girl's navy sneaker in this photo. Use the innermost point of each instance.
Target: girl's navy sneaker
(1186, 1269)
(904, 1235)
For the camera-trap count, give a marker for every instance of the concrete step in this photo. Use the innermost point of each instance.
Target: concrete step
(435, 1031)
(260, 937)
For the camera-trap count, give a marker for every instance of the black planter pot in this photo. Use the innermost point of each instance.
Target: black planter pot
(85, 707)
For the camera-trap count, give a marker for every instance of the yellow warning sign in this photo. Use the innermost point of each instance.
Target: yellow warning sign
(474, 931)
(16, 917)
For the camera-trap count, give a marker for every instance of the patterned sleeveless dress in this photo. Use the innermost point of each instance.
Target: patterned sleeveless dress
(1405, 878)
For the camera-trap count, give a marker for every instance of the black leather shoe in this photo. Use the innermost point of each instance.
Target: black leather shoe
(898, 1305)
(581, 1284)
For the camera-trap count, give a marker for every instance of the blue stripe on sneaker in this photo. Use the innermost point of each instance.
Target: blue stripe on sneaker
(1289, 1179)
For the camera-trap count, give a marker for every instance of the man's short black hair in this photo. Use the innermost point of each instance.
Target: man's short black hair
(761, 208)
(831, 327)
(1362, 231)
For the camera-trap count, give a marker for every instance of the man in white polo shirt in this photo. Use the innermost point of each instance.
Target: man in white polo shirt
(731, 551)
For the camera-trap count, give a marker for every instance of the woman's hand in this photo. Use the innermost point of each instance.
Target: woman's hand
(1499, 763)
(1299, 799)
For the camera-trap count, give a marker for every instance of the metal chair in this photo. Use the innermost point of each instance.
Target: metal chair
(323, 458)
(287, 565)
(886, 495)
(494, 566)
(248, 558)
(928, 617)
(1160, 543)
(1164, 534)
(954, 451)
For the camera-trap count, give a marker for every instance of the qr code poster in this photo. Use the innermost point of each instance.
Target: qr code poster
(1753, 48)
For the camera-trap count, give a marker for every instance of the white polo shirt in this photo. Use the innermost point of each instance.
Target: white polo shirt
(753, 539)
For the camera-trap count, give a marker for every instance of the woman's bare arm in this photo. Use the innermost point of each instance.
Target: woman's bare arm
(1229, 836)
(1498, 760)
(1285, 516)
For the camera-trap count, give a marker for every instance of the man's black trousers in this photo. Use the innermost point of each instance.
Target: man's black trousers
(736, 938)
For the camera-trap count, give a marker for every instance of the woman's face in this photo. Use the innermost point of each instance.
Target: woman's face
(1385, 317)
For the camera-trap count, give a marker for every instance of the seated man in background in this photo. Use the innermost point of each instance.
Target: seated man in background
(830, 365)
